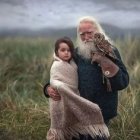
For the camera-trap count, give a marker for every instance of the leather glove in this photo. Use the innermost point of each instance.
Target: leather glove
(109, 69)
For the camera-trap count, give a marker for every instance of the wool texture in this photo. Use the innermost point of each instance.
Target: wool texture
(72, 115)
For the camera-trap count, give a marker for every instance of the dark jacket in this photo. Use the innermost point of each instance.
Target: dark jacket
(91, 84)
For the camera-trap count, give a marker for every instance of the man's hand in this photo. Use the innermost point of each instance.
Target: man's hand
(109, 68)
(53, 93)
(97, 57)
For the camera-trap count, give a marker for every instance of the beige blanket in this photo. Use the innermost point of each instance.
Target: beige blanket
(72, 115)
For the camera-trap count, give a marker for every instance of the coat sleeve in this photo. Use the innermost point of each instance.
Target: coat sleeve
(45, 90)
(121, 79)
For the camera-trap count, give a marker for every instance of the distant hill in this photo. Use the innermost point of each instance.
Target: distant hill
(116, 32)
(112, 31)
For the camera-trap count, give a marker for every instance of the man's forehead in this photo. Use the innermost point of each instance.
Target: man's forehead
(86, 24)
(87, 27)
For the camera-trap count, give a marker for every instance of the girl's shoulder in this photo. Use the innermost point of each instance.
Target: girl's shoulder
(56, 63)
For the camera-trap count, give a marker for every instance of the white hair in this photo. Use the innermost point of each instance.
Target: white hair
(86, 51)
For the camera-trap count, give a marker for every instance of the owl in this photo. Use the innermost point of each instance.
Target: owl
(104, 46)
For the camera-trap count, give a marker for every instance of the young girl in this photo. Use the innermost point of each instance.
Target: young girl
(72, 115)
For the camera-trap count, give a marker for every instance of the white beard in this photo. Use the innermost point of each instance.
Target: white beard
(85, 48)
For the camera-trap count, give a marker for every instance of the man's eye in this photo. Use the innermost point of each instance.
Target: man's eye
(88, 33)
(81, 33)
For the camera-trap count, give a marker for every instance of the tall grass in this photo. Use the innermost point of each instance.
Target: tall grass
(24, 69)
(126, 126)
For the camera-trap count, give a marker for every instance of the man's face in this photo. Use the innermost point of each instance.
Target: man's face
(85, 39)
(86, 31)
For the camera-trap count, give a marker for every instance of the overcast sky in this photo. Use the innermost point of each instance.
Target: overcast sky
(65, 13)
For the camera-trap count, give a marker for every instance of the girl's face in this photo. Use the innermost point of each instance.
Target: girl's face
(64, 52)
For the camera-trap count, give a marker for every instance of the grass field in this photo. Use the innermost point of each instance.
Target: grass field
(24, 69)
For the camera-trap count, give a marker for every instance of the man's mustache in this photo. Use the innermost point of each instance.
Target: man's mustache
(91, 44)
(89, 41)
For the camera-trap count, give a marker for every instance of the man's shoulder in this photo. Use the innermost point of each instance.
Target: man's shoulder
(76, 50)
(75, 54)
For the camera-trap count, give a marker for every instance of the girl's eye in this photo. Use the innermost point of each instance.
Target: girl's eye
(65, 50)
(62, 50)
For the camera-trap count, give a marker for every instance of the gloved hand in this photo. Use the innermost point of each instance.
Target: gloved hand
(109, 68)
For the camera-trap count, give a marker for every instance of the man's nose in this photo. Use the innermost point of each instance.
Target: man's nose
(86, 37)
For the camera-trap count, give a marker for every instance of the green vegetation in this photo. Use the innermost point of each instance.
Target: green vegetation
(24, 69)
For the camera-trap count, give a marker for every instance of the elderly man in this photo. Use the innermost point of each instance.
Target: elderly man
(98, 81)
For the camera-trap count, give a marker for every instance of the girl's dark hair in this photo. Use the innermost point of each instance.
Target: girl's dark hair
(66, 40)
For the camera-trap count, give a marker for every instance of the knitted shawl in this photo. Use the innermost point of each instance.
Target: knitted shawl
(72, 115)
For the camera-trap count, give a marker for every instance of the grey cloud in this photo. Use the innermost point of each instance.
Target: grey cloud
(12, 2)
(60, 13)
(121, 4)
